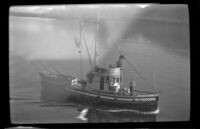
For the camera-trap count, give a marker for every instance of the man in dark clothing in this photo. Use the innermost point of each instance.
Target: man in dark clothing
(132, 86)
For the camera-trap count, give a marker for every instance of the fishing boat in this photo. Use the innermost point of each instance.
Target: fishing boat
(103, 86)
(115, 96)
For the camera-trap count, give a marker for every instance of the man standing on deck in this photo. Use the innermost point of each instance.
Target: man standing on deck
(132, 86)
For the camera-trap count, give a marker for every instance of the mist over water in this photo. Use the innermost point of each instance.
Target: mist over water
(154, 39)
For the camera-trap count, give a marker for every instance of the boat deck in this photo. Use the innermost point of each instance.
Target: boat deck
(135, 93)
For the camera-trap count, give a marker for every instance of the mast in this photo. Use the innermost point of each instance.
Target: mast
(81, 55)
(81, 66)
(96, 41)
(86, 45)
(121, 57)
(122, 74)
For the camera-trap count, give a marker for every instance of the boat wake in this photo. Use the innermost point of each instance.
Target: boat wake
(115, 115)
(82, 115)
(131, 110)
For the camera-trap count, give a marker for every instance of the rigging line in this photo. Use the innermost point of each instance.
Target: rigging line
(86, 45)
(133, 67)
(137, 72)
(47, 68)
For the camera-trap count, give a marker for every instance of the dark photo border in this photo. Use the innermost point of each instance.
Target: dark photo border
(193, 6)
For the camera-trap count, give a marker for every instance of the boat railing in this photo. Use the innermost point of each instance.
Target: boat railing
(107, 93)
(145, 92)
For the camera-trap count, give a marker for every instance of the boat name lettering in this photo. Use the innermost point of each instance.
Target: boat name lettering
(145, 99)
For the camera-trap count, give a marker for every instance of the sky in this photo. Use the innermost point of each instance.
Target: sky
(48, 32)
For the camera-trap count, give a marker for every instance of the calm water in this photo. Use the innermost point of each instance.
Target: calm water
(160, 48)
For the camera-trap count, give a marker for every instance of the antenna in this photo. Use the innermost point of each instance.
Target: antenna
(154, 81)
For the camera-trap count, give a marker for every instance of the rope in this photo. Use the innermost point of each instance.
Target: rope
(132, 66)
(137, 72)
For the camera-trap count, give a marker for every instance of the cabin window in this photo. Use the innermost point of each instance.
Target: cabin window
(113, 79)
(107, 79)
(117, 80)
